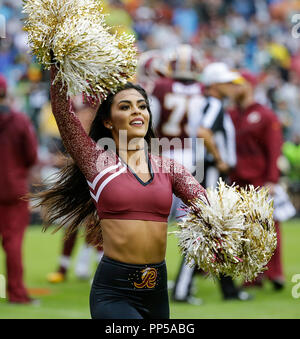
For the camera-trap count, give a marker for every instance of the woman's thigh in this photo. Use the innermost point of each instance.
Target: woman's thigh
(112, 308)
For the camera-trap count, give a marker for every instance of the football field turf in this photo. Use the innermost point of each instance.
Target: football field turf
(70, 299)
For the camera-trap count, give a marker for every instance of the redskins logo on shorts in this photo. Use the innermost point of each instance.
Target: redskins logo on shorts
(149, 276)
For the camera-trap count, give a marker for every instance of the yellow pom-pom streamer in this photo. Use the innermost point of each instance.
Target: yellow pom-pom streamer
(91, 59)
(234, 235)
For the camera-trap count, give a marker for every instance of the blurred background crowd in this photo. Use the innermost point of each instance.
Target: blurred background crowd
(259, 37)
(256, 35)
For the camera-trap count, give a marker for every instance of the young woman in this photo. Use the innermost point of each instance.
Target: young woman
(129, 191)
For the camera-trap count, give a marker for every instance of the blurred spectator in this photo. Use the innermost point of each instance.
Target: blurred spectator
(259, 143)
(245, 8)
(287, 105)
(18, 153)
(186, 18)
(144, 17)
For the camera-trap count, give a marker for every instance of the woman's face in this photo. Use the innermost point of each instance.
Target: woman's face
(129, 113)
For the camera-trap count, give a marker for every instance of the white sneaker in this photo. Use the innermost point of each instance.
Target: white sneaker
(82, 272)
(194, 301)
(82, 268)
(171, 284)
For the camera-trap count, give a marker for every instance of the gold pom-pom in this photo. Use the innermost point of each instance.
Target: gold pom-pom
(260, 235)
(91, 59)
(232, 235)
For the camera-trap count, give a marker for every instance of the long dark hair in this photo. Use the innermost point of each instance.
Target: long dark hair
(67, 202)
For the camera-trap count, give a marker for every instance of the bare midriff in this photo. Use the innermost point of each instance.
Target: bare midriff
(134, 241)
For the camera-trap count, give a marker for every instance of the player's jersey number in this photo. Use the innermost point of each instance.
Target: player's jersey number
(181, 106)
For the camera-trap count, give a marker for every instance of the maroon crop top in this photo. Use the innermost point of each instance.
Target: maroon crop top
(116, 190)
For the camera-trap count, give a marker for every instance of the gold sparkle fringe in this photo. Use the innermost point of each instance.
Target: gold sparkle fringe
(91, 59)
(234, 235)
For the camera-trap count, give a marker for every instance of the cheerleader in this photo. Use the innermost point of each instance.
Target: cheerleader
(125, 195)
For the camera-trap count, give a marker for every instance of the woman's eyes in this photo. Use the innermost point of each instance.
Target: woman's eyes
(126, 107)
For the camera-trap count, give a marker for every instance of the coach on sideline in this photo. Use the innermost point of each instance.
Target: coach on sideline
(18, 153)
(259, 141)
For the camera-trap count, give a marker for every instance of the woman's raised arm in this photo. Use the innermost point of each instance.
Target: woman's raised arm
(78, 144)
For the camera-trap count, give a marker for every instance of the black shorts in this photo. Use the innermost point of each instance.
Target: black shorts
(127, 291)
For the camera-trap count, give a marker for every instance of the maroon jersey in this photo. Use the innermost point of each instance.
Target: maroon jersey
(258, 145)
(18, 153)
(176, 102)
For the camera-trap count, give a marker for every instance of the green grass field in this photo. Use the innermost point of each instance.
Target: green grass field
(70, 299)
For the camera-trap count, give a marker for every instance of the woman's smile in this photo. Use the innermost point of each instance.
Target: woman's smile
(137, 122)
